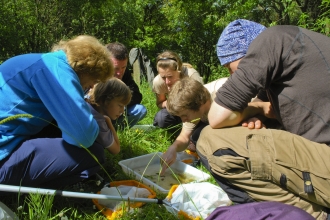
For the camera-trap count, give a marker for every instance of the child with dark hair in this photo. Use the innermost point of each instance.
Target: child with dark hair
(135, 111)
(107, 102)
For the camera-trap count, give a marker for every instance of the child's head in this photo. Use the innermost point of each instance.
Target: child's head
(110, 97)
(187, 100)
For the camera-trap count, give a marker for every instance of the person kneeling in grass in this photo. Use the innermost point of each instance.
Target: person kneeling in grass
(170, 69)
(191, 101)
(46, 125)
(289, 67)
(107, 102)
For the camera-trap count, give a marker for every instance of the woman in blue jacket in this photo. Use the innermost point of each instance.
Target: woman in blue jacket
(50, 87)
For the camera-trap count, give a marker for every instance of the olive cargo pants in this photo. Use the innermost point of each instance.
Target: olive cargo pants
(272, 165)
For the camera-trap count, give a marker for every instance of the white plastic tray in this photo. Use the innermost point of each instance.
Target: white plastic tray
(146, 169)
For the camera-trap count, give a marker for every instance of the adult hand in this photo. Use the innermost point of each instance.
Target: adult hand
(167, 159)
(253, 123)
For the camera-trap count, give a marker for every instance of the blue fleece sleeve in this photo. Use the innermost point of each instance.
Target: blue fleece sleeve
(59, 88)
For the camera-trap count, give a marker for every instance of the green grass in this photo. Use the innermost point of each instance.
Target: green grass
(134, 142)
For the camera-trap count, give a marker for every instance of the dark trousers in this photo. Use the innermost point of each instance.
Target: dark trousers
(197, 131)
(49, 163)
(163, 119)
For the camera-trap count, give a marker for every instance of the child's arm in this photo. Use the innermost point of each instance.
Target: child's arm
(115, 147)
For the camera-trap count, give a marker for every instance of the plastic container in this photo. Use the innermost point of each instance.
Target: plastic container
(6, 213)
(144, 127)
(147, 168)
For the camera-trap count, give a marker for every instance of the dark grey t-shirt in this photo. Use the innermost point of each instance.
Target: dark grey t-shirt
(291, 65)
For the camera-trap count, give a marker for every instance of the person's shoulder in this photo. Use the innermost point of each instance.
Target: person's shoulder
(127, 77)
(94, 112)
(215, 85)
(191, 71)
(283, 27)
(55, 58)
(159, 86)
(194, 74)
(220, 82)
(59, 54)
(278, 30)
(24, 61)
(91, 107)
(275, 37)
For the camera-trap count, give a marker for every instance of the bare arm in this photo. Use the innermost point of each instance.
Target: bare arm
(161, 100)
(256, 122)
(115, 147)
(180, 144)
(220, 117)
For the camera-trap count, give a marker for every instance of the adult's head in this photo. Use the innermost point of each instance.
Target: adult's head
(119, 57)
(169, 67)
(189, 100)
(110, 97)
(235, 40)
(88, 58)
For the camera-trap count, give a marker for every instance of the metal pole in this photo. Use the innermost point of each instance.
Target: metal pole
(23, 189)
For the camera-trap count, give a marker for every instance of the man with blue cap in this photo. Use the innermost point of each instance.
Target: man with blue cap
(287, 66)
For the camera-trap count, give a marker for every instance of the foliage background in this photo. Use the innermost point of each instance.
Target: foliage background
(188, 27)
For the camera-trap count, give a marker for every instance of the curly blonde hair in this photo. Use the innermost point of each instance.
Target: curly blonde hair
(87, 56)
